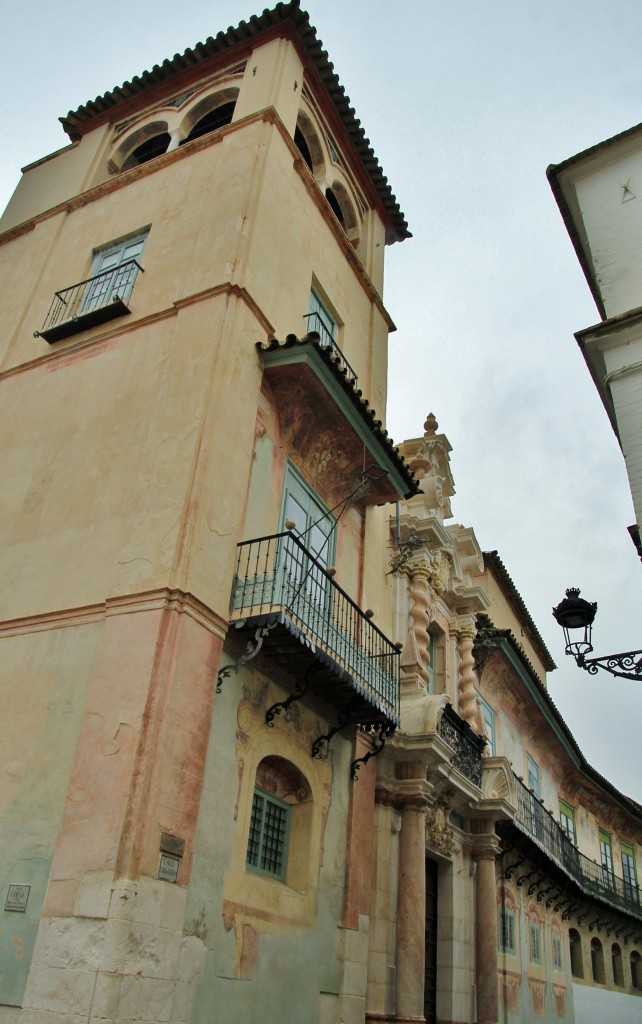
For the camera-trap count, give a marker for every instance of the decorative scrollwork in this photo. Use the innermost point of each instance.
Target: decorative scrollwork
(322, 743)
(302, 688)
(534, 884)
(508, 874)
(385, 731)
(252, 648)
(627, 665)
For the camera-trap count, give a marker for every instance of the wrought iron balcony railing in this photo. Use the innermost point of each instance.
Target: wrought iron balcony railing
(93, 301)
(466, 744)
(317, 324)
(594, 879)
(279, 581)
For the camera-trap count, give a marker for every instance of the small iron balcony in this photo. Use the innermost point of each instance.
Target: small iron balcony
(467, 746)
(317, 325)
(94, 301)
(317, 631)
(593, 879)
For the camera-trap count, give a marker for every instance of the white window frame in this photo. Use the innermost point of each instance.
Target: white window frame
(120, 284)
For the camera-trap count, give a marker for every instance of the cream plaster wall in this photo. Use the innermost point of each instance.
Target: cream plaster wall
(43, 679)
(503, 616)
(54, 179)
(251, 928)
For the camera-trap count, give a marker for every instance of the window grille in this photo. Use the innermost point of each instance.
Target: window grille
(267, 843)
(536, 943)
(507, 931)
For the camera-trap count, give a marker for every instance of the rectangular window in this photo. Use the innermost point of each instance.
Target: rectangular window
(536, 942)
(269, 827)
(606, 858)
(489, 721)
(321, 320)
(507, 930)
(533, 775)
(629, 872)
(537, 811)
(567, 820)
(557, 953)
(113, 273)
(431, 664)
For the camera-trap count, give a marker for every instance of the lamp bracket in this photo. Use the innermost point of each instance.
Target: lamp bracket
(627, 665)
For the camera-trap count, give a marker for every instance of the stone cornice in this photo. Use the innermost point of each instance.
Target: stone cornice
(61, 350)
(152, 600)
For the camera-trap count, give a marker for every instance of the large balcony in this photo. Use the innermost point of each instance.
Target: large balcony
(314, 631)
(96, 300)
(563, 858)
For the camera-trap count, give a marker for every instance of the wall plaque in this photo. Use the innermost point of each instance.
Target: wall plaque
(17, 897)
(168, 868)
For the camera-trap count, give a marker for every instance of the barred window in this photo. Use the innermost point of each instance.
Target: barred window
(268, 840)
(507, 930)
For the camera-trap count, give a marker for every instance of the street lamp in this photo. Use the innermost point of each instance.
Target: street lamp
(574, 613)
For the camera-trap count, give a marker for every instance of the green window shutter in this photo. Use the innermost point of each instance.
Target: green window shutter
(567, 820)
(489, 719)
(321, 320)
(507, 930)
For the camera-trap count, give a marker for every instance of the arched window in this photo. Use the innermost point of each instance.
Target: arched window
(140, 146)
(636, 970)
(597, 962)
(280, 823)
(343, 209)
(307, 142)
(335, 206)
(210, 122)
(617, 965)
(148, 150)
(303, 148)
(575, 947)
(209, 114)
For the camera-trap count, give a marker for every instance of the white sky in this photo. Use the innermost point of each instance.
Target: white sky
(465, 103)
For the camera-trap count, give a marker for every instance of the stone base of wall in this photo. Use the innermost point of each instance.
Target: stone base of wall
(122, 957)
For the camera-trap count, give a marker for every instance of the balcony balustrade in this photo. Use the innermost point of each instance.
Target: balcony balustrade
(594, 880)
(88, 303)
(467, 746)
(314, 630)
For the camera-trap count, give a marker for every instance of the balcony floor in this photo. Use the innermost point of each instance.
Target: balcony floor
(288, 647)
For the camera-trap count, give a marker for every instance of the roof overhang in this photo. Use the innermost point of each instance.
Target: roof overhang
(234, 44)
(595, 341)
(562, 178)
(322, 408)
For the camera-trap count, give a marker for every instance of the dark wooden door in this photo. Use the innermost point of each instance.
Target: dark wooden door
(430, 983)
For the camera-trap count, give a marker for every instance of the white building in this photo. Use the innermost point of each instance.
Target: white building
(599, 193)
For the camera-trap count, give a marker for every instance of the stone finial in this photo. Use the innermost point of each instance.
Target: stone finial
(430, 426)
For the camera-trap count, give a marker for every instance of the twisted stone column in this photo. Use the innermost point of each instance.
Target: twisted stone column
(420, 615)
(467, 677)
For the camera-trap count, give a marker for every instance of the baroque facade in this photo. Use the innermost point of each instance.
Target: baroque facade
(279, 743)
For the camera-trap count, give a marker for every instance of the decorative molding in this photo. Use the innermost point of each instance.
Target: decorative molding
(129, 325)
(438, 832)
(151, 600)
